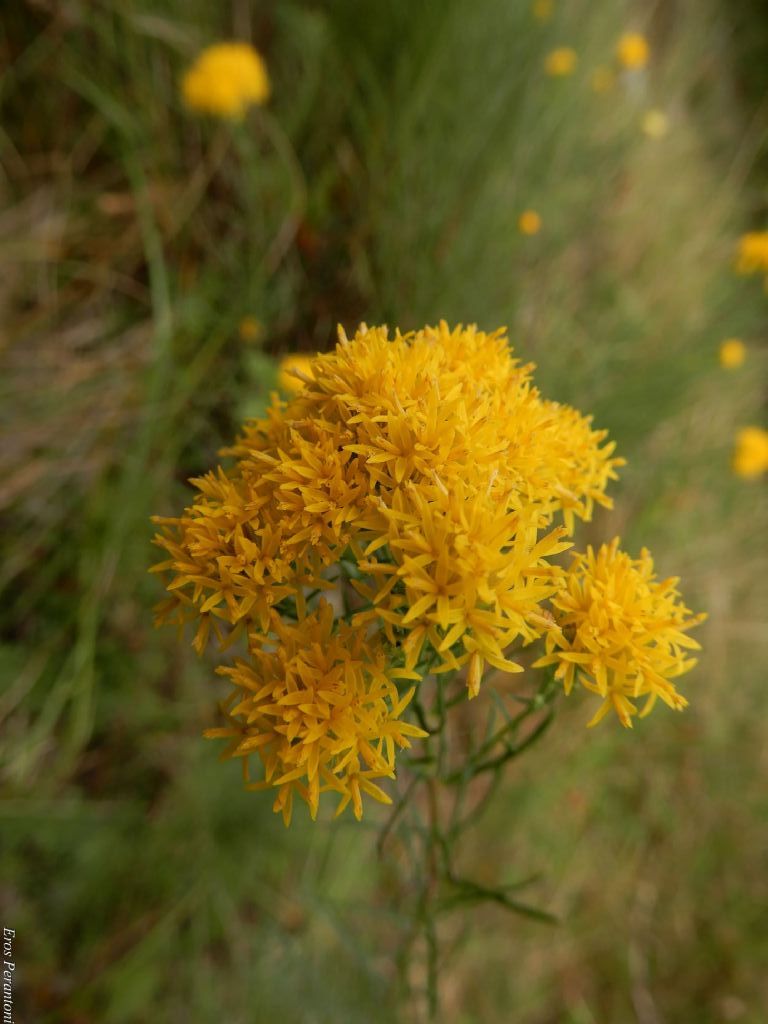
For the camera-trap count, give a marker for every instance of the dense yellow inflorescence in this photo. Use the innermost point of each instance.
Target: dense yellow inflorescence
(622, 632)
(399, 515)
(321, 708)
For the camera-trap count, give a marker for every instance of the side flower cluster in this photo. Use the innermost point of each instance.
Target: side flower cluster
(622, 633)
(322, 710)
(402, 515)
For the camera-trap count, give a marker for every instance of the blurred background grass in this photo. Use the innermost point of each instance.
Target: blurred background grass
(383, 182)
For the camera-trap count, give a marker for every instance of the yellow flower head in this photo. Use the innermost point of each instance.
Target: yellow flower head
(561, 62)
(623, 633)
(632, 51)
(750, 457)
(422, 482)
(573, 463)
(227, 564)
(434, 410)
(294, 371)
(655, 124)
(733, 352)
(466, 574)
(752, 253)
(529, 222)
(225, 80)
(320, 710)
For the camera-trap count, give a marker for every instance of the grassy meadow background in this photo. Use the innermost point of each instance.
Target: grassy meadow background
(383, 182)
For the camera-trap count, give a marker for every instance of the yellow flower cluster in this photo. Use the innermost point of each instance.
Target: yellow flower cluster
(632, 54)
(632, 51)
(225, 80)
(622, 633)
(752, 254)
(529, 222)
(422, 484)
(321, 710)
(750, 457)
(732, 354)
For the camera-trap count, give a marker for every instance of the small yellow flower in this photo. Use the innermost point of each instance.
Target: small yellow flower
(603, 80)
(225, 80)
(529, 222)
(561, 62)
(250, 329)
(753, 252)
(733, 352)
(542, 9)
(290, 366)
(750, 457)
(632, 51)
(655, 124)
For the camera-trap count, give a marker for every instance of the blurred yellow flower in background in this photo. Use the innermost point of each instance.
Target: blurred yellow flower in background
(632, 51)
(603, 79)
(529, 222)
(291, 364)
(561, 62)
(250, 329)
(542, 9)
(750, 457)
(655, 124)
(753, 252)
(733, 352)
(225, 80)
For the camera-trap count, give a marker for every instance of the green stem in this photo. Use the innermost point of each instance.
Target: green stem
(431, 882)
(511, 752)
(397, 810)
(477, 765)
